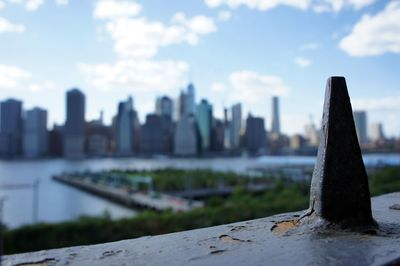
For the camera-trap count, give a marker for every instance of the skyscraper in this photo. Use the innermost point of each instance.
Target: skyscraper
(10, 128)
(204, 118)
(35, 142)
(74, 129)
(180, 106)
(275, 126)
(360, 120)
(236, 125)
(125, 122)
(156, 134)
(190, 100)
(186, 140)
(164, 106)
(376, 132)
(255, 135)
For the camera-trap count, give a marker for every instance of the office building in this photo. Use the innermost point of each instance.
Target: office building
(190, 100)
(35, 140)
(255, 135)
(55, 141)
(98, 138)
(218, 135)
(204, 116)
(74, 129)
(10, 128)
(125, 128)
(360, 120)
(156, 135)
(186, 138)
(235, 126)
(275, 122)
(164, 106)
(376, 132)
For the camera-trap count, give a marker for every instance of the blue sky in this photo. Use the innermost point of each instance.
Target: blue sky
(232, 50)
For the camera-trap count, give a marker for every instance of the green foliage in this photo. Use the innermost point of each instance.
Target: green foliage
(385, 180)
(286, 196)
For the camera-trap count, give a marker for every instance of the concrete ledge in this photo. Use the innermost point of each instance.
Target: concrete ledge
(243, 243)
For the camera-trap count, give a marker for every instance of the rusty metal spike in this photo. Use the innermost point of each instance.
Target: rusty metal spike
(339, 187)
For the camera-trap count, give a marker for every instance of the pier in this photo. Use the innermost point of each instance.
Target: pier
(137, 199)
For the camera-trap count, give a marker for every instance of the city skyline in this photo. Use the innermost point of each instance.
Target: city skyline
(174, 108)
(230, 52)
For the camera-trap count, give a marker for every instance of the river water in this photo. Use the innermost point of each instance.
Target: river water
(58, 202)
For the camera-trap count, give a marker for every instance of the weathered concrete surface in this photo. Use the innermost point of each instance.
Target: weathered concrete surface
(243, 243)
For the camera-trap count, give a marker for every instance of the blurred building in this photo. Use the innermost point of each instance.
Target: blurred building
(11, 128)
(55, 141)
(164, 106)
(312, 135)
(376, 132)
(227, 132)
(190, 100)
(297, 142)
(125, 128)
(186, 138)
(35, 142)
(218, 135)
(235, 126)
(156, 135)
(275, 122)
(74, 128)
(204, 116)
(98, 138)
(360, 120)
(255, 135)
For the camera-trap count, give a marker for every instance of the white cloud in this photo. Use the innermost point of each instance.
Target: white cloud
(302, 62)
(375, 35)
(107, 9)
(377, 104)
(198, 24)
(62, 2)
(12, 76)
(252, 87)
(33, 5)
(224, 15)
(8, 26)
(316, 5)
(1, 4)
(338, 5)
(258, 4)
(140, 38)
(15, 78)
(137, 75)
(39, 87)
(30, 5)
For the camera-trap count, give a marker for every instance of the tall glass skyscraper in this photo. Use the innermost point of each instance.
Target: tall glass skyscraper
(275, 126)
(74, 129)
(10, 128)
(125, 128)
(236, 125)
(190, 100)
(35, 142)
(360, 120)
(164, 106)
(204, 120)
(255, 136)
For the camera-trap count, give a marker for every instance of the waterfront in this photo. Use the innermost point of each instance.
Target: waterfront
(58, 202)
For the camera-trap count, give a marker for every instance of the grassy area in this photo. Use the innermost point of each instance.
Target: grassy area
(170, 179)
(242, 205)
